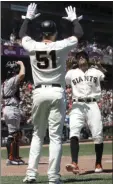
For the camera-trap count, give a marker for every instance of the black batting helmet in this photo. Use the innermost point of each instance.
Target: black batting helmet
(12, 68)
(48, 28)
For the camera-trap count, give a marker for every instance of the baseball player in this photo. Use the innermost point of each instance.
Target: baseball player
(11, 112)
(86, 91)
(47, 60)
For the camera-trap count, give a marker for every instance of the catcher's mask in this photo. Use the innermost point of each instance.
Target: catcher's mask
(12, 69)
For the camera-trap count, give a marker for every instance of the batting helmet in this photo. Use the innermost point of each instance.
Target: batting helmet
(48, 28)
(12, 68)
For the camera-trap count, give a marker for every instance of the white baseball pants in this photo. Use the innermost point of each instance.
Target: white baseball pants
(89, 113)
(12, 118)
(48, 110)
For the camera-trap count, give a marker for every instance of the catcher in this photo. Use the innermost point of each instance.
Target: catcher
(11, 112)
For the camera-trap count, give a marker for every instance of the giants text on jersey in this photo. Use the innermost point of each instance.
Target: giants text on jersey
(85, 85)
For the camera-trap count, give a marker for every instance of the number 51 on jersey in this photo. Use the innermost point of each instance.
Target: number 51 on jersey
(46, 60)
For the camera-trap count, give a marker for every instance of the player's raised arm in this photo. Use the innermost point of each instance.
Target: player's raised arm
(21, 74)
(72, 40)
(27, 42)
(102, 72)
(72, 16)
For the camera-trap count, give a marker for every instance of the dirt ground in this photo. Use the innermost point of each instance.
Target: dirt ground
(86, 165)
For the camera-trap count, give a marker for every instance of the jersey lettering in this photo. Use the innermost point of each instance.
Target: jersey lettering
(45, 59)
(91, 77)
(95, 80)
(80, 79)
(86, 78)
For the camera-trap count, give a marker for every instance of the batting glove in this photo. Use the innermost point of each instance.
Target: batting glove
(31, 12)
(71, 14)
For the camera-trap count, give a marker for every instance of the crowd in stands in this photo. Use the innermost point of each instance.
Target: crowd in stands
(26, 102)
(106, 106)
(100, 49)
(12, 41)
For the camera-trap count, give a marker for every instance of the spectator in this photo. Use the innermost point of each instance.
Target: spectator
(12, 38)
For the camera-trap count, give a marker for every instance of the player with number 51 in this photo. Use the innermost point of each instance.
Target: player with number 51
(47, 60)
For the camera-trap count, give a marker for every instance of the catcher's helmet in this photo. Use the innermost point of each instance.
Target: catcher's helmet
(12, 68)
(48, 28)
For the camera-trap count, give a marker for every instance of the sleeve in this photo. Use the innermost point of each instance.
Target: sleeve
(101, 75)
(77, 29)
(24, 30)
(69, 43)
(28, 43)
(68, 78)
(72, 41)
(13, 82)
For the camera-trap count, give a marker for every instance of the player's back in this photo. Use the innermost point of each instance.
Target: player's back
(48, 60)
(48, 63)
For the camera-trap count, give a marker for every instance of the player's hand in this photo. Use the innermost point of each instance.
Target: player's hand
(71, 14)
(19, 63)
(98, 63)
(31, 12)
